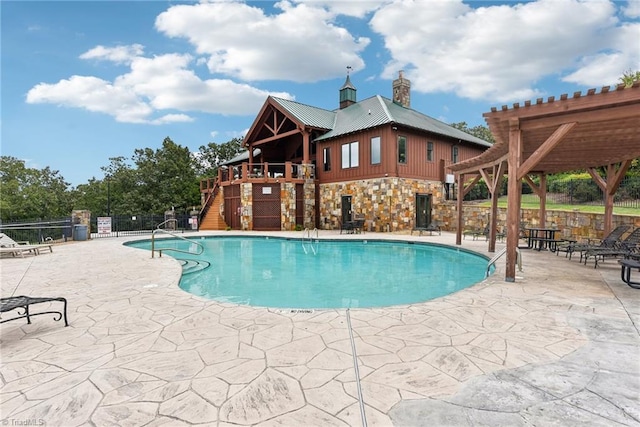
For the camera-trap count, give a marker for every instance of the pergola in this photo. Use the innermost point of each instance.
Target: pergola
(581, 132)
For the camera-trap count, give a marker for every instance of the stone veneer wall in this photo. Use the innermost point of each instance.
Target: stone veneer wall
(309, 204)
(388, 204)
(246, 201)
(82, 217)
(574, 225)
(287, 206)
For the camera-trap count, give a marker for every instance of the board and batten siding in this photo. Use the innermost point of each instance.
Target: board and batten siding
(417, 166)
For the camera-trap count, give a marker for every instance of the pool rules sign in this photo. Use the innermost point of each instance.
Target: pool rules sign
(104, 225)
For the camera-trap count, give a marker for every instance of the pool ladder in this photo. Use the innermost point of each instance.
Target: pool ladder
(308, 242)
(497, 256)
(162, 230)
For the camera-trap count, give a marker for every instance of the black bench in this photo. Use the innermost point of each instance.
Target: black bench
(23, 302)
(625, 273)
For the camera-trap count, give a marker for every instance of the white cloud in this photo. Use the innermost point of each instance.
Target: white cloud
(632, 9)
(300, 44)
(355, 8)
(494, 53)
(118, 54)
(214, 133)
(153, 85)
(93, 94)
(606, 68)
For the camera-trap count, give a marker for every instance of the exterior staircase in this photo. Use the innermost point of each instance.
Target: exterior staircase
(212, 219)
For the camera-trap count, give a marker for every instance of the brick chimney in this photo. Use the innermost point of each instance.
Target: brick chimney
(402, 91)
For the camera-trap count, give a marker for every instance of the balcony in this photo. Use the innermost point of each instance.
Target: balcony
(260, 173)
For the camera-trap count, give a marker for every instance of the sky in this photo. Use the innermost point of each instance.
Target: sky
(85, 81)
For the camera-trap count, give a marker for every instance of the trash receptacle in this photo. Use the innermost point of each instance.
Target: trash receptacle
(79, 232)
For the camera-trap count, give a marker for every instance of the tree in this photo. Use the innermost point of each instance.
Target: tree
(479, 131)
(630, 77)
(166, 178)
(29, 193)
(212, 155)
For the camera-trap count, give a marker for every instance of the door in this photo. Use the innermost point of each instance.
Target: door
(423, 210)
(232, 207)
(347, 214)
(266, 207)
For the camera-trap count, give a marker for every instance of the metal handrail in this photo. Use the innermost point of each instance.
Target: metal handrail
(306, 233)
(497, 256)
(158, 229)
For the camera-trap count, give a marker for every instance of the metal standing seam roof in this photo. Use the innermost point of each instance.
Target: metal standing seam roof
(308, 115)
(378, 110)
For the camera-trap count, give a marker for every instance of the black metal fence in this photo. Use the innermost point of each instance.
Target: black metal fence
(39, 230)
(132, 225)
(571, 192)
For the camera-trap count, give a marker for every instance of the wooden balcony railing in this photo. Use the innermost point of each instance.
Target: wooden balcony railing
(259, 172)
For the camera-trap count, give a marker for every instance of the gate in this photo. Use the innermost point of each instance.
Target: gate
(232, 206)
(266, 207)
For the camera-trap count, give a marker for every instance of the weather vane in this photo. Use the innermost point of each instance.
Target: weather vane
(348, 69)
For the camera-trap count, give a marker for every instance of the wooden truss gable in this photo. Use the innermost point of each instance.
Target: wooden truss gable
(272, 124)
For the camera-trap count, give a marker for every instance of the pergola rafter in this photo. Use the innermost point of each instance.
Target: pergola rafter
(579, 132)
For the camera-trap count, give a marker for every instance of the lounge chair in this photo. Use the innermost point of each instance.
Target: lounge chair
(476, 233)
(19, 248)
(431, 228)
(24, 302)
(625, 273)
(630, 245)
(613, 238)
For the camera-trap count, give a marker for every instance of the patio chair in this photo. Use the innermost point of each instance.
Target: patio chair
(624, 249)
(19, 248)
(346, 226)
(608, 241)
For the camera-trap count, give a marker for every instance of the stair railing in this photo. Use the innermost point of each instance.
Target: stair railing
(207, 203)
(162, 230)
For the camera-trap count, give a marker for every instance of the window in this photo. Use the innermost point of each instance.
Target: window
(326, 159)
(375, 150)
(350, 155)
(454, 154)
(402, 149)
(429, 151)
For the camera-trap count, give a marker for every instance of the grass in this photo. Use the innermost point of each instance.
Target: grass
(531, 201)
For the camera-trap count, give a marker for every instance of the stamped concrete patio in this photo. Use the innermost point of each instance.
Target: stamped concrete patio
(557, 347)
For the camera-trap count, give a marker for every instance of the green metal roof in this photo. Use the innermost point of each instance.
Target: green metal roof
(369, 113)
(377, 110)
(306, 114)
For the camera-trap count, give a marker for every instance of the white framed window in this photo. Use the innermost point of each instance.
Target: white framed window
(402, 150)
(350, 154)
(326, 159)
(375, 150)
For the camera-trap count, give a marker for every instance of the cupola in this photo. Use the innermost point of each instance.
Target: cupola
(347, 92)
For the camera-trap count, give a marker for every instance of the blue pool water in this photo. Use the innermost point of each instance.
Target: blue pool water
(285, 273)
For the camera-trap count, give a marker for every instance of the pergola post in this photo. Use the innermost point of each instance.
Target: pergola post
(513, 198)
(459, 208)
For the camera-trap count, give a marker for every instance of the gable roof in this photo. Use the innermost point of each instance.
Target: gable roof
(369, 113)
(306, 114)
(378, 110)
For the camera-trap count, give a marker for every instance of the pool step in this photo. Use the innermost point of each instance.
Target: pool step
(193, 265)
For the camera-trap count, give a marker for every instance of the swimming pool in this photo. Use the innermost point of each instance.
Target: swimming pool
(287, 273)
